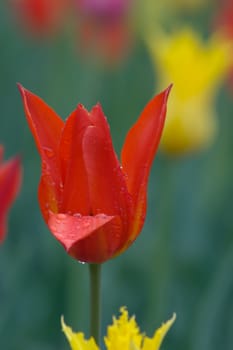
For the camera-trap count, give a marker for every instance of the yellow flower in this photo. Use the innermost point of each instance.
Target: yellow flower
(77, 340)
(197, 69)
(188, 4)
(155, 13)
(123, 334)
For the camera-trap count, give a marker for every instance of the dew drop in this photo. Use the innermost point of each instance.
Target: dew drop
(77, 215)
(81, 262)
(61, 216)
(49, 152)
(101, 216)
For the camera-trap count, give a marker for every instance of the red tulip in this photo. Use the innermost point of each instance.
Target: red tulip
(223, 23)
(10, 180)
(105, 29)
(93, 205)
(223, 19)
(40, 17)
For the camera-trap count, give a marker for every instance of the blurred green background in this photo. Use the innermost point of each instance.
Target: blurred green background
(183, 259)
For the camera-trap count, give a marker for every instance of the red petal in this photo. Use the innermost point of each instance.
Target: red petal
(10, 180)
(139, 151)
(76, 194)
(103, 244)
(98, 119)
(107, 186)
(46, 127)
(70, 230)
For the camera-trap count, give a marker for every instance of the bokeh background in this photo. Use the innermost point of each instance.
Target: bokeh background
(183, 259)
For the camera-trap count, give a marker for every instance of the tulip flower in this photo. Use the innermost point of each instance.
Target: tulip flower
(197, 70)
(40, 17)
(104, 29)
(10, 180)
(111, 8)
(124, 334)
(223, 22)
(187, 5)
(224, 17)
(153, 14)
(93, 205)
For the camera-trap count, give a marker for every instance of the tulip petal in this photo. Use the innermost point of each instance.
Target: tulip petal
(138, 153)
(107, 185)
(71, 229)
(77, 341)
(46, 127)
(76, 194)
(98, 119)
(10, 180)
(155, 342)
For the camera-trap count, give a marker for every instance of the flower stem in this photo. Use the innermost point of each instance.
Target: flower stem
(95, 272)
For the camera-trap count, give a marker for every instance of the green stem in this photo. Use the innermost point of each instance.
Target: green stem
(95, 271)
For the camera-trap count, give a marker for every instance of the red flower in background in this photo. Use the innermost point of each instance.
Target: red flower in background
(104, 28)
(40, 17)
(93, 205)
(10, 180)
(224, 17)
(223, 23)
(103, 7)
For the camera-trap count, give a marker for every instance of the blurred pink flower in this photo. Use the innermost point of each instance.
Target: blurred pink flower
(104, 7)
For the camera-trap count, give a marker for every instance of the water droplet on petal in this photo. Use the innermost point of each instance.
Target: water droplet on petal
(101, 216)
(81, 262)
(77, 215)
(49, 152)
(61, 216)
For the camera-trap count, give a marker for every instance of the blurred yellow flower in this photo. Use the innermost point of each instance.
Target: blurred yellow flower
(151, 14)
(123, 334)
(188, 4)
(197, 69)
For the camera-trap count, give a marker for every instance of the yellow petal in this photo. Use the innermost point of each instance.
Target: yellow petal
(197, 68)
(155, 342)
(77, 340)
(124, 333)
(194, 66)
(190, 126)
